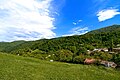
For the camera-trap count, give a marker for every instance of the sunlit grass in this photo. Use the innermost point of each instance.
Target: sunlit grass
(23, 68)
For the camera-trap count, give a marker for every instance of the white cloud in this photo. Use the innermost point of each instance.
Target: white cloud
(26, 20)
(77, 22)
(107, 14)
(77, 31)
(74, 23)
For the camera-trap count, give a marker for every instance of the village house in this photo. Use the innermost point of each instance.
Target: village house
(108, 64)
(101, 49)
(97, 50)
(105, 63)
(104, 50)
(116, 49)
(89, 61)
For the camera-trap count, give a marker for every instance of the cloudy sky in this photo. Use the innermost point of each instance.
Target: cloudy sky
(36, 19)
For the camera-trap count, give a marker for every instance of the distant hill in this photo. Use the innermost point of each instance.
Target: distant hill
(9, 45)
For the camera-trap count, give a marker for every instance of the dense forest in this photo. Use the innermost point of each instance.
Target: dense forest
(71, 48)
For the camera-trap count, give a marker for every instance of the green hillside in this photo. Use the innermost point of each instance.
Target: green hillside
(21, 68)
(69, 49)
(8, 46)
(97, 38)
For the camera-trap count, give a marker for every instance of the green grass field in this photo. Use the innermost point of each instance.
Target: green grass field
(21, 68)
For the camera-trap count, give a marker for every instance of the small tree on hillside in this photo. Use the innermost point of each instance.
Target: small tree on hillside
(63, 55)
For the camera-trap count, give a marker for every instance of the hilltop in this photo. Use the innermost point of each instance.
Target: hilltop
(108, 29)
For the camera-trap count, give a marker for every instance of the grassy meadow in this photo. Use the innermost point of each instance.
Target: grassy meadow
(24, 68)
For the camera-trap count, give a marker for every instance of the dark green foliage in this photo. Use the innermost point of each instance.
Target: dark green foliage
(79, 59)
(82, 50)
(102, 55)
(65, 47)
(116, 58)
(63, 55)
(9, 46)
(89, 47)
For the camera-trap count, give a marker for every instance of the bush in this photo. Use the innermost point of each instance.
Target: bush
(79, 59)
(63, 55)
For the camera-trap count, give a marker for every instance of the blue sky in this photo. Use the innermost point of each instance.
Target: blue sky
(77, 15)
(36, 19)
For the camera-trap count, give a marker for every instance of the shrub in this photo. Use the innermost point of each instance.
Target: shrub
(63, 55)
(79, 59)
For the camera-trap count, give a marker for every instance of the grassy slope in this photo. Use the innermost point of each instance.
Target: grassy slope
(21, 68)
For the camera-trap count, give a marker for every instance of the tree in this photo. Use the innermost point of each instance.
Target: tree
(82, 50)
(79, 59)
(63, 55)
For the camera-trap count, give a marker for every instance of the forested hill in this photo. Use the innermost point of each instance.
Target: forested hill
(9, 45)
(66, 48)
(93, 39)
(109, 29)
